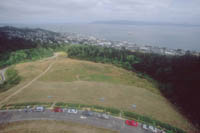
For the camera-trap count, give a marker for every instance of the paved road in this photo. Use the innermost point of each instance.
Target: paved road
(113, 123)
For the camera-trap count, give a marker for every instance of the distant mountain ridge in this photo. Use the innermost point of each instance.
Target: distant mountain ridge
(129, 22)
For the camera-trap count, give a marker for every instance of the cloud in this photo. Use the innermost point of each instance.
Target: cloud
(90, 10)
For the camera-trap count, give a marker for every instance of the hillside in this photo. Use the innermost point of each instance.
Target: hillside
(74, 81)
(12, 39)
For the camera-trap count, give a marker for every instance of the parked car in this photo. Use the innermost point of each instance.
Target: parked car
(162, 131)
(104, 116)
(153, 129)
(58, 109)
(72, 111)
(39, 109)
(65, 110)
(131, 123)
(144, 126)
(87, 113)
(28, 109)
(149, 128)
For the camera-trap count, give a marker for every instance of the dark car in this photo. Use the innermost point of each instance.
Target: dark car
(87, 113)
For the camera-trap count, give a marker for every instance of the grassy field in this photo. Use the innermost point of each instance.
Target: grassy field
(50, 127)
(75, 81)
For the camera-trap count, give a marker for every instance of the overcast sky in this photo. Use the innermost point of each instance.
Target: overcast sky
(52, 11)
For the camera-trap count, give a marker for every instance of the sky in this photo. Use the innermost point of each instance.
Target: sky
(71, 11)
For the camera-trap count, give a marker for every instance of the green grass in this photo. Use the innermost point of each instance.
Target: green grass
(68, 70)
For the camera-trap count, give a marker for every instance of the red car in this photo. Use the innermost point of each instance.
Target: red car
(57, 109)
(131, 123)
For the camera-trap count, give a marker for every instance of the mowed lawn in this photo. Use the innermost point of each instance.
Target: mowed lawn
(46, 126)
(75, 81)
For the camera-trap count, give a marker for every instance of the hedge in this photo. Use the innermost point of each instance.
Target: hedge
(112, 110)
(61, 104)
(72, 105)
(85, 106)
(98, 107)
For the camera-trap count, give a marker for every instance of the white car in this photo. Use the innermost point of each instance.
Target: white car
(65, 110)
(105, 116)
(72, 111)
(149, 128)
(152, 129)
(39, 109)
(144, 126)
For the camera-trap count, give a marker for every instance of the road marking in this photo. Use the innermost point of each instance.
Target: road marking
(83, 117)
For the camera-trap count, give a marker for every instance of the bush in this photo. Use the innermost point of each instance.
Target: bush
(131, 115)
(113, 111)
(12, 78)
(72, 105)
(61, 104)
(98, 107)
(85, 106)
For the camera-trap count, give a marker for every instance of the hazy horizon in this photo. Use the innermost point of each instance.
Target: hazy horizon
(174, 37)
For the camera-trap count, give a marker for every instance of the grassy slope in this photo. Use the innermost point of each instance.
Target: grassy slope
(50, 127)
(86, 82)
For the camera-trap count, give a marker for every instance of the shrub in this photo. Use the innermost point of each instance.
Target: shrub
(12, 78)
(85, 106)
(98, 107)
(60, 104)
(113, 111)
(73, 105)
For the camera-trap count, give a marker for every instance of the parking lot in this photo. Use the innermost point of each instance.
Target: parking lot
(110, 123)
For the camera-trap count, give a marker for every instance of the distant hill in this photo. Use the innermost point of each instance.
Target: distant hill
(128, 22)
(12, 38)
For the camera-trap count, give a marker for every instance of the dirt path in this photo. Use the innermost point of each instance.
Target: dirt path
(52, 106)
(2, 71)
(2, 74)
(28, 84)
(78, 77)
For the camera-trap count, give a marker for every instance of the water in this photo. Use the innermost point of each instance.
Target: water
(187, 38)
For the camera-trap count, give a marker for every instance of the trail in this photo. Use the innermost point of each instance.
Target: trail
(2, 71)
(2, 75)
(28, 84)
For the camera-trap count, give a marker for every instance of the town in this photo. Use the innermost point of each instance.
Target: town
(45, 36)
